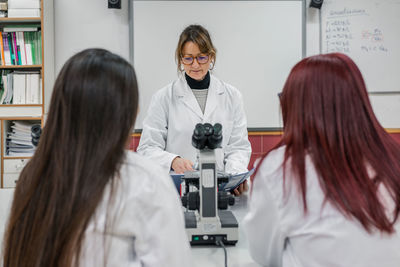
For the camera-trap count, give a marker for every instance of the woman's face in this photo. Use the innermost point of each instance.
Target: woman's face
(195, 70)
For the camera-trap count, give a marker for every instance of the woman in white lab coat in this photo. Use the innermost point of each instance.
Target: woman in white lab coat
(83, 200)
(195, 97)
(329, 193)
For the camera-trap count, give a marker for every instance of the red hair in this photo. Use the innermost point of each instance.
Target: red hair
(327, 115)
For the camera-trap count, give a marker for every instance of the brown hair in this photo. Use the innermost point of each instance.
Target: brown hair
(92, 112)
(198, 35)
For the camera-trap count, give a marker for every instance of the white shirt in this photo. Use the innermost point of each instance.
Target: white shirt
(146, 225)
(280, 235)
(173, 114)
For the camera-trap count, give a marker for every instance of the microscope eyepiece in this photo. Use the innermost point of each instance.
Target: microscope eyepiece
(199, 130)
(208, 128)
(218, 129)
(215, 140)
(206, 135)
(198, 138)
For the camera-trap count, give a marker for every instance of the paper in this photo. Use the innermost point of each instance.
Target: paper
(234, 179)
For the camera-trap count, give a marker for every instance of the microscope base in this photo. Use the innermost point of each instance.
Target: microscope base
(207, 234)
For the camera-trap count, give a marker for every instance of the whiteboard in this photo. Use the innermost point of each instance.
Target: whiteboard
(257, 43)
(369, 32)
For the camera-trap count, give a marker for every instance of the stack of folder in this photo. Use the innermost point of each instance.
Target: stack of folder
(19, 139)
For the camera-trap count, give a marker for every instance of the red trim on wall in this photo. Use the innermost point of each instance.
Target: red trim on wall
(396, 136)
(260, 144)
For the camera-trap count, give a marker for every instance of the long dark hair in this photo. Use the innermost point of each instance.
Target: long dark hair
(92, 112)
(327, 115)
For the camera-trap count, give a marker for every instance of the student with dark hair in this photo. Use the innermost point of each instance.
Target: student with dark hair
(195, 97)
(83, 200)
(329, 193)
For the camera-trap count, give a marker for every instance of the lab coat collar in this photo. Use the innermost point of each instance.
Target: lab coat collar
(184, 92)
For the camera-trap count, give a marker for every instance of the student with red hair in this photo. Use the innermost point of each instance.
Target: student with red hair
(329, 193)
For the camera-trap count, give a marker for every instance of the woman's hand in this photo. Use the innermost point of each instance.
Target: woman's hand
(243, 187)
(180, 165)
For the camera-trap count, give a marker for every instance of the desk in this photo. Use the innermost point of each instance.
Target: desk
(238, 255)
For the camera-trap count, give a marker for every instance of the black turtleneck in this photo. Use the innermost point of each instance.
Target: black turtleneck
(198, 85)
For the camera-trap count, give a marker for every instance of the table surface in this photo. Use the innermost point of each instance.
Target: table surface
(238, 255)
(210, 256)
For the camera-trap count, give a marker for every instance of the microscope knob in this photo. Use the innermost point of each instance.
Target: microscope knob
(193, 200)
(184, 200)
(231, 200)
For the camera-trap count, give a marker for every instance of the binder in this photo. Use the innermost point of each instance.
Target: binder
(32, 88)
(19, 94)
(6, 49)
(3, 62)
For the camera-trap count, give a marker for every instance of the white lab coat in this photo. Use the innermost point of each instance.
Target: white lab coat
(146, 225)
(280, 235)
(173, 114)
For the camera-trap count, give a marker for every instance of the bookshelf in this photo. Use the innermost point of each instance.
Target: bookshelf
(21, 67)
(25, 111)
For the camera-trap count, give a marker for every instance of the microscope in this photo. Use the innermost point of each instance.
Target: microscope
(207, 219)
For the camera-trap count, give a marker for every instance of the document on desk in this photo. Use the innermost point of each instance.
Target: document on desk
(235, 180)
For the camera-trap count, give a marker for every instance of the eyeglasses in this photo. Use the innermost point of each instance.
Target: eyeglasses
(201, 59)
